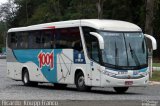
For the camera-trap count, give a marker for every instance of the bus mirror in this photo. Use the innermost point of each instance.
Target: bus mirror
(151, 42)
(100, 39)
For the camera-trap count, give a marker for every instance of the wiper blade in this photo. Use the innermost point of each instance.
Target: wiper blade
(116, 55)
(134, 56)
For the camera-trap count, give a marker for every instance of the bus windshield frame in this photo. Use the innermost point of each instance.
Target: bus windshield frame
(124, 50)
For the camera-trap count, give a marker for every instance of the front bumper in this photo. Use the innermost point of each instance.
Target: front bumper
(107, 81)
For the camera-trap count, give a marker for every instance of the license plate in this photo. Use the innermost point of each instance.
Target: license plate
(128, 82)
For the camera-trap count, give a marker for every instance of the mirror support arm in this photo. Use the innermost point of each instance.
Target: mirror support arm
(154, 42)
(100, 39)
(153, 46)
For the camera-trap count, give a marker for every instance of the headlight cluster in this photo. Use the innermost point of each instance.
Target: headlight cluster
(144, 73)
(108, 73)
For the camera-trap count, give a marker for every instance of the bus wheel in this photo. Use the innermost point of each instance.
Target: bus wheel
(60, 86)
(26, 80)
(121, 90)
(80, 83)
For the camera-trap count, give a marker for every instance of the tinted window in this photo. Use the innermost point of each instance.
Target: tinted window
(91, 44)
(43, 39)
(22, 40)
(35, 40)
(64, 38)
(12, 40)
(18, 40)
(68, 38)
(47, 39)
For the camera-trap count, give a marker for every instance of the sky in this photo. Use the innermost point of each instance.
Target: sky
(2, 1)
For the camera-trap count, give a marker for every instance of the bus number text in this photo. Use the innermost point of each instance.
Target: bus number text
(45, 59)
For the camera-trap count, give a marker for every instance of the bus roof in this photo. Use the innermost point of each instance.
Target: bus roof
(100, 24)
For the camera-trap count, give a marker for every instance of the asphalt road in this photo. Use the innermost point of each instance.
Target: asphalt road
(14, 90)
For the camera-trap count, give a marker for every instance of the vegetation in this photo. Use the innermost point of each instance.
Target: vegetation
(156, 64)
(156, 76)
(17, 13)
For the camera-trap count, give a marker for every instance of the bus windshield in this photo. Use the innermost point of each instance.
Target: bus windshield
(124, 50)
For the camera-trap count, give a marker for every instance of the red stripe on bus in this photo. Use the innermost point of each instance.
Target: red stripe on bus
(51, 27)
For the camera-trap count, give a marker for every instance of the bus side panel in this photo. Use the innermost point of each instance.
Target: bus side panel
(10, 70)
(34, 72)
(44, 61)
(47, 65)
(13, 66)
(68, 62)
(64, 66)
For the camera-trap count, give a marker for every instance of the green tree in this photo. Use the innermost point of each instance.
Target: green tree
(145, 13)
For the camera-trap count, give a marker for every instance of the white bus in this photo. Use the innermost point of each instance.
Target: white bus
(87, 53)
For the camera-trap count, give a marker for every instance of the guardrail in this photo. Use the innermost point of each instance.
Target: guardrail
(156, 68)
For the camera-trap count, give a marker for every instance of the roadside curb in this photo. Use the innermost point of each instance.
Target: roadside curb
(154, 83)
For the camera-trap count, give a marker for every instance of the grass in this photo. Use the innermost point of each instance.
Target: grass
(156, 64)
(155, 76)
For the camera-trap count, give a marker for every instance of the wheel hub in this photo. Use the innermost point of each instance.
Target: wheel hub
(81, 81)
(26, 78)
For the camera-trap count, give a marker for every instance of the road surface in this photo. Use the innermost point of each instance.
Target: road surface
(14, 90)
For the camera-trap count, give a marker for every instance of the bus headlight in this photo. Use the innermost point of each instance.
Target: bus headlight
(144, 74)
(108, 73)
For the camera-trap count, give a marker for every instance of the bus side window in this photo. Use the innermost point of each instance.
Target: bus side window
(34, 40)
(68, 38)
(95, 51)
(76, 40)
(22, 40)
(77, 45)
(91, 44)
(48, 39)
(13, 40)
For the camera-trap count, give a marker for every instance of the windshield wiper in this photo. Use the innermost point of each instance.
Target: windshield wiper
(134, 56)
(116, 55)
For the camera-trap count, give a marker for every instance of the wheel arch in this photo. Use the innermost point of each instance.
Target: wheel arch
(78, 70)
(24, 68)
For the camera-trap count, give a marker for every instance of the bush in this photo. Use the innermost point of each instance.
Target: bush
(156, 60)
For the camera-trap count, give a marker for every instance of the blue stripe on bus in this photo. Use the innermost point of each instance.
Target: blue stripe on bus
(143, 70)
(24, 56)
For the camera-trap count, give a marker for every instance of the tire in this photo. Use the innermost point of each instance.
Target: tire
(80, 83)
(25, 79)
(121, 90)
(60, 86)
